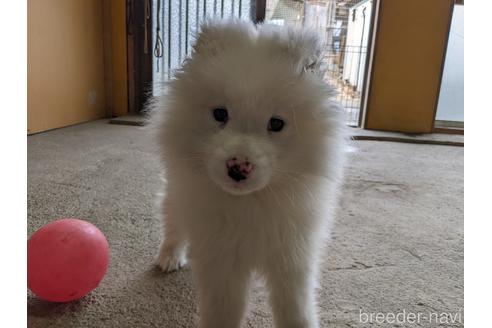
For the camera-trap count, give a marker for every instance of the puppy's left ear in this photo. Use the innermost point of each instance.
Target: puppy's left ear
(306, 50)
(302, 47)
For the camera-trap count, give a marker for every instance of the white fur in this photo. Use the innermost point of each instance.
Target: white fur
(275, 223)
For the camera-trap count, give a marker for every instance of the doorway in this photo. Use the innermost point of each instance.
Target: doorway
(450, 113)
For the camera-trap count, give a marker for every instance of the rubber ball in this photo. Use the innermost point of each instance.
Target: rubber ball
(66, 259)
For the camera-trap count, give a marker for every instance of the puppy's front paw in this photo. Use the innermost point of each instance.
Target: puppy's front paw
(170, 261)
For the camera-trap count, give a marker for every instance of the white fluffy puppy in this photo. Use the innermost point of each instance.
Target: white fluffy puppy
(252, 145)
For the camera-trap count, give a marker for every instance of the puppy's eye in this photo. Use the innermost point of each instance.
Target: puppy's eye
(221, 115)
(275, 124)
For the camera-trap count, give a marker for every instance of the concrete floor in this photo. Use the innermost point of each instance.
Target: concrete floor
(397, 245)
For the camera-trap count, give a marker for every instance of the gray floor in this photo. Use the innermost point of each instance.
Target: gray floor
(397, 245)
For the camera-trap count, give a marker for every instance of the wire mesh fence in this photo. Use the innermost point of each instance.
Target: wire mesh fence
(345, 27)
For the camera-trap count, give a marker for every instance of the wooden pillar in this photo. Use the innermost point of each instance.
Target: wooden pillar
(115, 57)
(409, 52)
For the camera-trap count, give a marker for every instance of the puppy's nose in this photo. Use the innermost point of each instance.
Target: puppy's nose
(238, 169)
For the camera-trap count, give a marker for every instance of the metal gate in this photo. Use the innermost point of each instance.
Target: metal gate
(345, 26)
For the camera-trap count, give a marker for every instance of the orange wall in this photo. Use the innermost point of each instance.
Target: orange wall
(409, 54)
(76, 62)
(65, 70)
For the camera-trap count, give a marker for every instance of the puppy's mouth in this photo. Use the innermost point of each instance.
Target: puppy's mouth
(237, 188)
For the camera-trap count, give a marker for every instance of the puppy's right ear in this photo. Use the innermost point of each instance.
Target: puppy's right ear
(216, 35)
(209, 39)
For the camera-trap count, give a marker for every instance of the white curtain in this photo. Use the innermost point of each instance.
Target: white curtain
(179, 21)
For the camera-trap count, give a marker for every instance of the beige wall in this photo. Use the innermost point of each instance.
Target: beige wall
(65, 62)
(409, 54)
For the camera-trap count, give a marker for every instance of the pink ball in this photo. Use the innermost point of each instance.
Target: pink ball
(66, 259)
